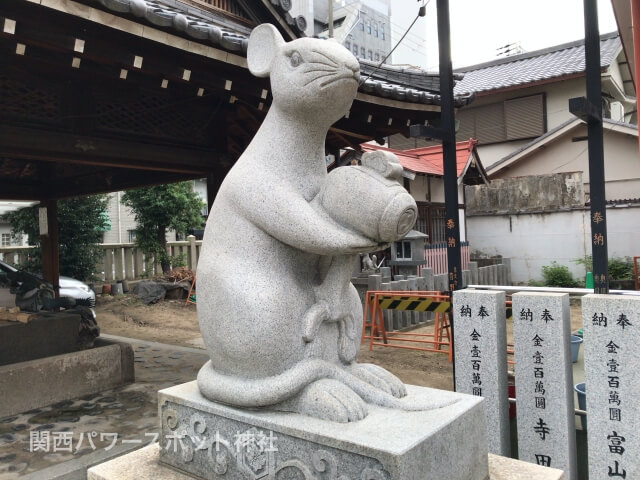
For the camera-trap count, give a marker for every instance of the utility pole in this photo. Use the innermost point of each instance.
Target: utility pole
(446, 133)
(589, 109)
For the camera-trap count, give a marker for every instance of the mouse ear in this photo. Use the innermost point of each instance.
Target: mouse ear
(264, 43)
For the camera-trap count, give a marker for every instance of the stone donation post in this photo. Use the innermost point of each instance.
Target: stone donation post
(544, 391)
(481, 359)
(612, 376)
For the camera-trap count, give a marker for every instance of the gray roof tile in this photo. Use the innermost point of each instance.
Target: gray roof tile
(398, 83)
(531, 67)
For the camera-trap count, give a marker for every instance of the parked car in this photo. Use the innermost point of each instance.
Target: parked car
(69, 287)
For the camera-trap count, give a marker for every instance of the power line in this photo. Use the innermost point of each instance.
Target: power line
(421, 13)
(415, 38)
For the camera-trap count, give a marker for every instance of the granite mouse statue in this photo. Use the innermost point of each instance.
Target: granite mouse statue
(267, 255)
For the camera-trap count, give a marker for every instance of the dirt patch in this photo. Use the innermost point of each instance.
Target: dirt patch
(170, 321)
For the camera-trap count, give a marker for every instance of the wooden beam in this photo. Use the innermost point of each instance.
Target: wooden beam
(12, 190)
(50, 146)
(122, 180)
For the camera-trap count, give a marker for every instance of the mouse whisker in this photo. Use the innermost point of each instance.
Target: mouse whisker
(325, 56)
(317, 77)
(336, 78)
(325, 64)
(320, 70)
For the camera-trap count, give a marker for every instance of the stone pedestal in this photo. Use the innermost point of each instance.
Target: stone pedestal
(143, 464)
(212, 441)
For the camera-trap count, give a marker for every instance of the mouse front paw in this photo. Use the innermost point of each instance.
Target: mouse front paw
(379, 377)
(329, 399)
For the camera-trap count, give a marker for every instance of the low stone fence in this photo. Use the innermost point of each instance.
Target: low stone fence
(15, 255)
(123, 261)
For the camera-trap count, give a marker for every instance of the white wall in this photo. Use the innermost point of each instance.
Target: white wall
(535, 240)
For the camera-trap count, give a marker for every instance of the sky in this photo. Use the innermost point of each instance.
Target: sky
(480, 27)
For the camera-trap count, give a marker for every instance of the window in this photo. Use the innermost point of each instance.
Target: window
(377, 57)
(375, 29)
(403, 250)
(368, 27)
(370, 55)
(355, 49)
(347, 45)
(6, 239)
(363, 53)
(382, 32)
(132, 236)
(515, 119)
(362, 25)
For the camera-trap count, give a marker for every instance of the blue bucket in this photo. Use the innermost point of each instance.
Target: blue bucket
(575, 347)
(581, 390)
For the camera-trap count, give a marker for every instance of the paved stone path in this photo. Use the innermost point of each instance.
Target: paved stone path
(124, 417)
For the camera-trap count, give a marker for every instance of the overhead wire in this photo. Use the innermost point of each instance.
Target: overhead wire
(421, 13)
(415, 39)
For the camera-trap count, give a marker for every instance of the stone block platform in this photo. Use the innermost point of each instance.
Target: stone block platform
(213, 441)
(143, 464)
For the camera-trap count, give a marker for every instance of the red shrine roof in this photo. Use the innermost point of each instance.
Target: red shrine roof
(428, 160)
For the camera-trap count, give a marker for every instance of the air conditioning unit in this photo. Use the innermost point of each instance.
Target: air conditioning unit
(617, 111)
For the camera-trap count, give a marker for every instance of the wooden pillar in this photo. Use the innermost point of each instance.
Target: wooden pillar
(48, 219)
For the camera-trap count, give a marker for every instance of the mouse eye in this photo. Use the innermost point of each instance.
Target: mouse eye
(296, 59)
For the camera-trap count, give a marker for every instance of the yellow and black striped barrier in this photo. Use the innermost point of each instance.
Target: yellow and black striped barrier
(416, 304)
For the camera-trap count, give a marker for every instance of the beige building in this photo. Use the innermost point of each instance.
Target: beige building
(528, 139)
(521, 97)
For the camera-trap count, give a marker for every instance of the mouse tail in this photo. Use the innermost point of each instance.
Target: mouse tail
(270, 391)
(261, 392)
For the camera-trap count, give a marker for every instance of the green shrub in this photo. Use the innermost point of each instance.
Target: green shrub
(558, 276)
(179, 260)
(620, 268)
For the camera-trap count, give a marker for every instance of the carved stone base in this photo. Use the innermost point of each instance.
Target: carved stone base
(213, 441)
(143, 464)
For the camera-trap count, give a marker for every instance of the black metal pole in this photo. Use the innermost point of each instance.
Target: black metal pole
(596, 150)
(447, 115)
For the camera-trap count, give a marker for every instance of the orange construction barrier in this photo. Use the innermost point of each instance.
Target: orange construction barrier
(421, 301)
(192, 293)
